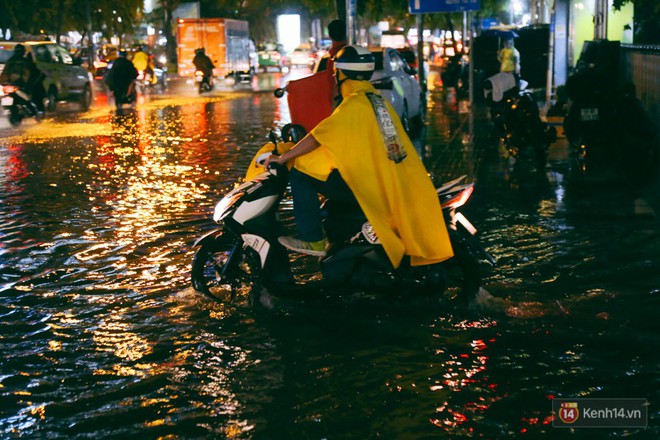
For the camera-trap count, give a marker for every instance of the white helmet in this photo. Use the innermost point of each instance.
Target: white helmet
(356, 62)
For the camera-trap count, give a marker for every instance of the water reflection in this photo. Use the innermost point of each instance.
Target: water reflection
(104, 338)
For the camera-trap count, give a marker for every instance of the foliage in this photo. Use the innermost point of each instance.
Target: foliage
(647, 19)
(54, 17)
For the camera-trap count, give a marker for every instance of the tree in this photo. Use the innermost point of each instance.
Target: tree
(55, 17)
(647, 19)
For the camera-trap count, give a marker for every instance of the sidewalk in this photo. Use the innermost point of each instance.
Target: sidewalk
(458, 143)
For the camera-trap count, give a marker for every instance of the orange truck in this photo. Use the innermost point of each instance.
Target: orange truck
(226, 41)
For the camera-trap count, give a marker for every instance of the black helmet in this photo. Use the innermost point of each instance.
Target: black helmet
(19, 49)
(356, 62)
(199, 51)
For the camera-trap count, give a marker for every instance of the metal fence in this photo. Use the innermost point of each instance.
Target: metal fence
(641, 66)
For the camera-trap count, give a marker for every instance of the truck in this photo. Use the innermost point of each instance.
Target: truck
(226, 41)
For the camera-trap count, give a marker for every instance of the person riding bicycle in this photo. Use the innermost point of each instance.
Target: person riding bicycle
(362, 148)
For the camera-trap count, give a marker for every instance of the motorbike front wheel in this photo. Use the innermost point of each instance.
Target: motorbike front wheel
(222, 269)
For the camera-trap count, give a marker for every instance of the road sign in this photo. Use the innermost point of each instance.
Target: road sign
(426, 6)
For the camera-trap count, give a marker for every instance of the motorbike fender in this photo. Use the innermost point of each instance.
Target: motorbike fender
(209, 236)
(259, 244)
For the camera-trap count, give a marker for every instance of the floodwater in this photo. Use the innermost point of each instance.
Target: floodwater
(103, 337)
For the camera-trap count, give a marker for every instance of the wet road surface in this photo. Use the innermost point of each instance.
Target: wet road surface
(102, 336)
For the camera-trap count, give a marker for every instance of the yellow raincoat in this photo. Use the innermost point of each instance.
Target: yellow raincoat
(254, 169)
(141, 60)
(398, 199)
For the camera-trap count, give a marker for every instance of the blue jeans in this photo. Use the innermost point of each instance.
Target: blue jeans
(305, 190)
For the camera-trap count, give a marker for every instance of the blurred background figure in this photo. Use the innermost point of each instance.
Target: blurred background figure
(509, 58)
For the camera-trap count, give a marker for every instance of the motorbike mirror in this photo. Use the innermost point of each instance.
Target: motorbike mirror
(261, 159)
(273, 139)
(279, 92)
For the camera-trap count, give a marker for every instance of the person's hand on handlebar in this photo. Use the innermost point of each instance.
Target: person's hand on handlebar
(274, 159)
(307, 144)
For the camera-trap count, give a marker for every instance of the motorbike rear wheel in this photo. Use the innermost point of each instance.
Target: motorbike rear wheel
(15, 116)
(222, 269)
(462, 276)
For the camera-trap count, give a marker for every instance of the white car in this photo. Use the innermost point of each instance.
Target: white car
(66, 79)
(301, 56)
(396, 81)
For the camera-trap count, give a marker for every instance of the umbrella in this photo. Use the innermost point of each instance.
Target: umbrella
(500, 33)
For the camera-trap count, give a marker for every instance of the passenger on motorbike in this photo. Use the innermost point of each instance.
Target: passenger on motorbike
(362, 147)
(17, 72)
(203, 63)
(120, 79)
(143, 63)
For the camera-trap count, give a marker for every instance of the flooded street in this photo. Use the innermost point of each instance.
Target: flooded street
(103, 336)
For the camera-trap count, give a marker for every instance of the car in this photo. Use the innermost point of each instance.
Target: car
(302, 56)
(105, 55)
(66, 79)
(271, 55)
(396, 81)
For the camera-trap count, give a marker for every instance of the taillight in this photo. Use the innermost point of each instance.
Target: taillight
(9, 89)
(459, 199)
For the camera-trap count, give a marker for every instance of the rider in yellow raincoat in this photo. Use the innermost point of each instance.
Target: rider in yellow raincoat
(364, 143)
(143, 63)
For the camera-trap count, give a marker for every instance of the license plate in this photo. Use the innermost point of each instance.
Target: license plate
(7, 101)
(198, 79)
(589, 114)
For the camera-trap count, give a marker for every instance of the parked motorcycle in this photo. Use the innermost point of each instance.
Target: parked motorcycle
(244, 251)
(516, 119)
(204, 82)
(19, 104)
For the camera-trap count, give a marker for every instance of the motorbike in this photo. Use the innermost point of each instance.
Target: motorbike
(204, 82)
(148, 81)
(19, 104)
(517, 122)
(144, 81)
(243, 251)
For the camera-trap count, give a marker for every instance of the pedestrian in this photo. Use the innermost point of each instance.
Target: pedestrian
(509, 58)
(121, 79)
(337, 33)
(363, 150)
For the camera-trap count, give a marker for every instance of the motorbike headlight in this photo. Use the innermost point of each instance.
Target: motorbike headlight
(224, 206)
